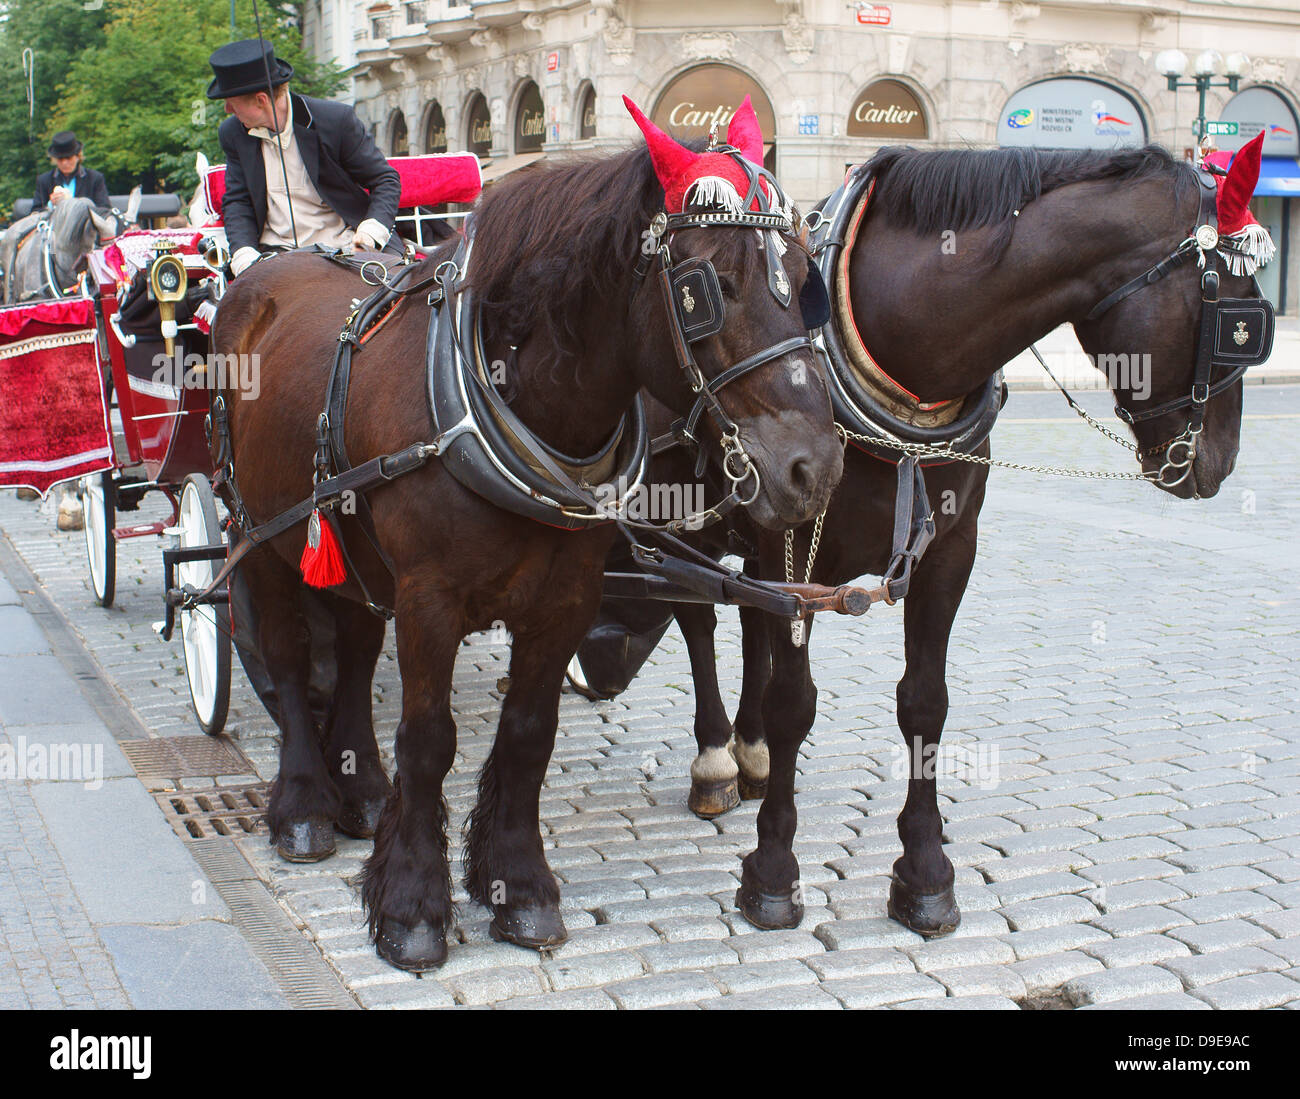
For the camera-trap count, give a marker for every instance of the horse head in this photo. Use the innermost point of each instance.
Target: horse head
(1201, 319)
(731, 294)
(76, 229)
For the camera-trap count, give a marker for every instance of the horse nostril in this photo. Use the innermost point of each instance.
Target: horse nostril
(802, 475)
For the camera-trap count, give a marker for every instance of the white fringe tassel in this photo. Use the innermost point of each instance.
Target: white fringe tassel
(1257, 248)
(715, 191)
(722, 193)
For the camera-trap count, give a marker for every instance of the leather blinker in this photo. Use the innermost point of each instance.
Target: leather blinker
(814, 301)
(1243, 331)
(697, 297)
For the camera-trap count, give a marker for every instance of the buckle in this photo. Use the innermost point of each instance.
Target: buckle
(1200, 392)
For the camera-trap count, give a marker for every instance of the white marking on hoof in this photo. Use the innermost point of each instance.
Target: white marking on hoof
(714, 765)
(753, 760)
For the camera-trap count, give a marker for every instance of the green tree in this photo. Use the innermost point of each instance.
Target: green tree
(139, 94)
(57, 32)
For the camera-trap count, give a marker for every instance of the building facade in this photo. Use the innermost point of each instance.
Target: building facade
(832, 81)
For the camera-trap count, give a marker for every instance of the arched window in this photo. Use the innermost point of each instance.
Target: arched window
(530, 120)
(709, 94)
(435, 130)
(1072, 113)
(478, 126)
(399, 143)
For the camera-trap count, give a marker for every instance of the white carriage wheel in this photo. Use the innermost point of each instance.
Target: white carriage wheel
(98, 502)
(205, 631)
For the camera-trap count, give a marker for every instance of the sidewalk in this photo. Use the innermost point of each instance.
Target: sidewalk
(1069, 363)
(101, 904)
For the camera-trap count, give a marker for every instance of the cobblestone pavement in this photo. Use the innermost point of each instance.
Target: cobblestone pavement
(1123, 805)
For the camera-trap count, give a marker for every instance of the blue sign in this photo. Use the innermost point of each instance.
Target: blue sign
(809, 124)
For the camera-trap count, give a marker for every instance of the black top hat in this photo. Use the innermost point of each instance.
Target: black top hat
(241, 68)
(64, 143)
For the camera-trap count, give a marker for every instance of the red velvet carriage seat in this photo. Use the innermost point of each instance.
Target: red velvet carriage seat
(429, 180)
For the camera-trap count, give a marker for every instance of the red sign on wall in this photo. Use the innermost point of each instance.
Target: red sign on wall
(875, 15)
(552, 62)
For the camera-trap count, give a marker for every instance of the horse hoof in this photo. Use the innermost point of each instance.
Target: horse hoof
(28, 494)
(535, 927)
(305, 841)
(768, 911)
(71, 519)
(752, 789)
(414, 949)
(928, 914)
(360, 821)
(711, 798)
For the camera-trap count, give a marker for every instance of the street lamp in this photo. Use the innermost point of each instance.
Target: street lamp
(1171, 64)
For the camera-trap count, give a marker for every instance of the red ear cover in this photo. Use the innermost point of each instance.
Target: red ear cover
(745, 133)
(1236, 189)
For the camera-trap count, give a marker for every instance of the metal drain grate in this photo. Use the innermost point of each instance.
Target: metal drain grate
(221, 811)
(295, 963)
(185, 757)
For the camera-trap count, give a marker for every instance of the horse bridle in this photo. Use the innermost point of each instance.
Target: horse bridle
(1203, 239)
(693, 283)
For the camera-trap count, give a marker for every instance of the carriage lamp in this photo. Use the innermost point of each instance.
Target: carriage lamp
(1171, 64)
(168, 281)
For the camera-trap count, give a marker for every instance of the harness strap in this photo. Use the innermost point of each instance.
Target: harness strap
(1154, 274)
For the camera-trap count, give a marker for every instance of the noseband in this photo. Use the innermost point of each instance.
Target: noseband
(1246, 322)
(692, 285)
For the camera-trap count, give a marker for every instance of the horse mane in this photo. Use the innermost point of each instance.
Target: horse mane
(557, 244)
(934, 190)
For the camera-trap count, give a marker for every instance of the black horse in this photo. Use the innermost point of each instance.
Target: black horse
(961, 260)
(577, 330)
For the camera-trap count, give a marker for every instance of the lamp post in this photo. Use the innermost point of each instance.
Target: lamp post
(1171, 64)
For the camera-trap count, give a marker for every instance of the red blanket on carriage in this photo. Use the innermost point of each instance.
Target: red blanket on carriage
(53, 420)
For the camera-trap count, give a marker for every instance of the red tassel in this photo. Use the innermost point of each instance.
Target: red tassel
(322, 564)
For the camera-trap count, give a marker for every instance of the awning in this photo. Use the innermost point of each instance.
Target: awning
(503, 167)
(1278, 175)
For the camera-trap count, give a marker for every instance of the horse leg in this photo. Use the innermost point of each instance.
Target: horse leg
(303, 801)
(714, 787)
(751, 741)
(769, 896)
(352, 754)
(406, 883)
(921, 894)
(505, 868)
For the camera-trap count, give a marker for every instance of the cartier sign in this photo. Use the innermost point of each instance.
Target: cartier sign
(479, 128)
(887, 109)
(530, 121)
(708, 95)
(587, 124)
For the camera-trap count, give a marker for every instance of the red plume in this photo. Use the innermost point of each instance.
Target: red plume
(1235, 191)
(745, 133)
(673, 162)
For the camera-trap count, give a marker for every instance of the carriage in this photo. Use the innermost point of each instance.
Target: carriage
(129, 347)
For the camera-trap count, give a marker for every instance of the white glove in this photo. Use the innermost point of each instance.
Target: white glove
(58, 195)
(240, 261)
(369, 236)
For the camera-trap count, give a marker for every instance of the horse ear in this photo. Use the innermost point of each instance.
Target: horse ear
(671, 159)
(1236, 190)
(104, 226)
(745, 134)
